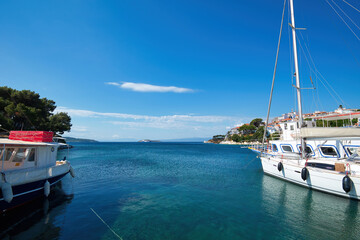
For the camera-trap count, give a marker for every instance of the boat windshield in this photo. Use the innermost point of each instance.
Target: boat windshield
(20, 155)
(8, 153)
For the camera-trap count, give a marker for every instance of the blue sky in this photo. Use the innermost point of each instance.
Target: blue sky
(128, 70)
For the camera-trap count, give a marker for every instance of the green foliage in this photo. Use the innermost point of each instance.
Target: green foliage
(275, 136)
(60, 122)
(25, 110)
(236, 138)
(336, 123)
(258, 135)
(256, 122)
(247, 129)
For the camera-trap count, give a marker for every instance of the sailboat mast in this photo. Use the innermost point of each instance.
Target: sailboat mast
(298, 90)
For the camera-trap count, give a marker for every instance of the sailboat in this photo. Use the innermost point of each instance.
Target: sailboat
(321, 158)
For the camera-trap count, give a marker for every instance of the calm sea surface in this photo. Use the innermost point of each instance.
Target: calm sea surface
(179, 191)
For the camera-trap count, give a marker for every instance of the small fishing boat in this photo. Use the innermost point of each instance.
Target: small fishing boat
(62, 143)
(29, 167)
(322, 158)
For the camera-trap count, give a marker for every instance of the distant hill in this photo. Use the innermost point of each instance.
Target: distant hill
(71, 139)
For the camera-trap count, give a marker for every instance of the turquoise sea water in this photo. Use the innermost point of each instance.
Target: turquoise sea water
(179, 191)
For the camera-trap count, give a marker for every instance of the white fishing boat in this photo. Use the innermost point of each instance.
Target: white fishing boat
(29, 167)
(62, 143)
(322, 158)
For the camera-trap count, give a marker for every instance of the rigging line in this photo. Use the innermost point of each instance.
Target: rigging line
(341, 100)
(346, 44)
(106, 224)
(345, 14)
(308, 52)
(351, 6)
(308, 63)
(337, 102)
(273, 80)
(317, 71)
(343, 20)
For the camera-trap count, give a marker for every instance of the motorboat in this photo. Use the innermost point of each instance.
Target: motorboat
(62, 143)
(29, 167)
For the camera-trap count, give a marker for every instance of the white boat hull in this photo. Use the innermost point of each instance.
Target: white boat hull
(320, 179)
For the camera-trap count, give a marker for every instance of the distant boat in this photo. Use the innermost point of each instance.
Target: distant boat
(148, 140)
(29, 167)
(322, 158)
(62, 143)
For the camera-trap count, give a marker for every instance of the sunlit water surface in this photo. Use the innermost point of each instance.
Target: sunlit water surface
(179, 191)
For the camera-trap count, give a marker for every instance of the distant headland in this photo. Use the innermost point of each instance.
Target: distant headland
(72, 139)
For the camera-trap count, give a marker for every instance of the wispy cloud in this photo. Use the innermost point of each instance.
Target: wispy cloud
(143, 87)
(165, 118)
(76, 128)
(106, 125)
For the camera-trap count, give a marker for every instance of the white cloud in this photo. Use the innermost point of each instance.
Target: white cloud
(143, 87)
(114, 126)
(166, 118)
(79, 129)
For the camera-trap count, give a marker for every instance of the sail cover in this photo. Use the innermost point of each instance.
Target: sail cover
(328, 132)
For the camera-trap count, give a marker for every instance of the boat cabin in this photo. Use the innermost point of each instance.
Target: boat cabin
(18, 155)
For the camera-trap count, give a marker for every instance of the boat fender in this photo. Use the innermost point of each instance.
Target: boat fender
(47, 188)
(7, 191)
(280, 166)
(346, 184)
(72, 172)
(304, 173)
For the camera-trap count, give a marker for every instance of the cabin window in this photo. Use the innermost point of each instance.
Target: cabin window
(274, 148)
(8, 153)
(307, 149)
(19, 155)
(31, 157)
(291, 127)
(329, 151)
(286, 148)
(285, 126)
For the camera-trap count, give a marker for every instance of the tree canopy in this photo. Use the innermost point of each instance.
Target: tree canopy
(25, 110)
(256, 122)
(250, 132)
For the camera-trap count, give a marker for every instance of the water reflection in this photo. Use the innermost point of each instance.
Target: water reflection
(308, 213)
(35, 220)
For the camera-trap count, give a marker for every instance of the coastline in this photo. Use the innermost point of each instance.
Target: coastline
(234, 143)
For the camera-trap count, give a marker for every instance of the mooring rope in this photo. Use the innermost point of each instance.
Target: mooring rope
(106, 224)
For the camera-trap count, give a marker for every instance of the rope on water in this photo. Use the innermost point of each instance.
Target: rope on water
(106, 224)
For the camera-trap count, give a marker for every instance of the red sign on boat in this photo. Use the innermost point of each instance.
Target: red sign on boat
(31, 136)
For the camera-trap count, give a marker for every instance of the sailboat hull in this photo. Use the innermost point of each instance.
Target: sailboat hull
(319, 179)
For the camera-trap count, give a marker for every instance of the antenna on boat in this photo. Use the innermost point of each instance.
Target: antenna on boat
(298, 90)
